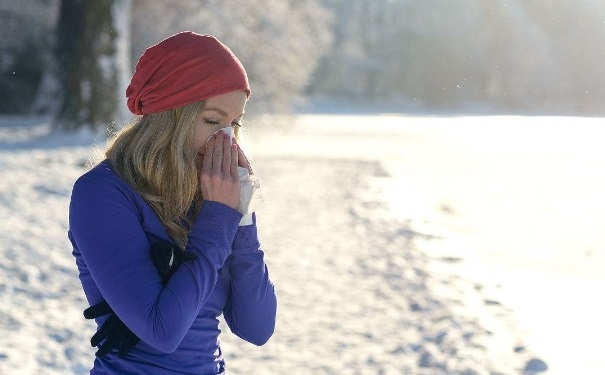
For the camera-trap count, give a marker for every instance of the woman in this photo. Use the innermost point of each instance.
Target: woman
(170, 182)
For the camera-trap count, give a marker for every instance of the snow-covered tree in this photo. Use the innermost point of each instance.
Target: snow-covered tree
(513, 55)
(540, 55)
(278, 41)
(402, 52)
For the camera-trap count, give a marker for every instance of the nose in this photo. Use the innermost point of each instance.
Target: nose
(225, 129)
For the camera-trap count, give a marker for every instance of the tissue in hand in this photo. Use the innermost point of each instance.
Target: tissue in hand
(250, 198)
(228, 130)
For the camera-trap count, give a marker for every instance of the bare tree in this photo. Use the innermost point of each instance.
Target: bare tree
(90, 36)
(25, 50)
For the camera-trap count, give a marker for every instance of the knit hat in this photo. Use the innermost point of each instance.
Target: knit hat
(183, 69)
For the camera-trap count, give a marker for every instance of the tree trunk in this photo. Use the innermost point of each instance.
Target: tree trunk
(89, 36)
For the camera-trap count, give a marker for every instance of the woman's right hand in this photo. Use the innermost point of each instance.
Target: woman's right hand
(219, 179)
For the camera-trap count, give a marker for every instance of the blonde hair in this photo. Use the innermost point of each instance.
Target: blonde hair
(155, 156)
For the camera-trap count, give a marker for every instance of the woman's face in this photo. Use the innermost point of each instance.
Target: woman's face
(218, 112)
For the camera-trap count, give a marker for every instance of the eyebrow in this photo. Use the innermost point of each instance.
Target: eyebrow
(220, 111)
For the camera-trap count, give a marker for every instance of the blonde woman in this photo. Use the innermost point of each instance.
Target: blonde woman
(157, 229)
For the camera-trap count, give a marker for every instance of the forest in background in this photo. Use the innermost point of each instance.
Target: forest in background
(519, 56)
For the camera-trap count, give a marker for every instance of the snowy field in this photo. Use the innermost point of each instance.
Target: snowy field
(398, 245)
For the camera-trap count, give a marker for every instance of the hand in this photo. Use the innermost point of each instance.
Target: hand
(113, 331)
(242, 159)
(167, 258)
(219, 179)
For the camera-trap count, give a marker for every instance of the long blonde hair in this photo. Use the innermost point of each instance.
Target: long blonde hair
(155, 156)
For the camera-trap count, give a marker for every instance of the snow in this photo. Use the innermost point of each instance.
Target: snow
(398, 244)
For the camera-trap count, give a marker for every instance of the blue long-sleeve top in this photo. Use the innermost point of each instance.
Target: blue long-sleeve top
(112, 229)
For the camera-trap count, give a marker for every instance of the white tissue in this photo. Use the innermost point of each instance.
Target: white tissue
(250, 198)
(228, 130)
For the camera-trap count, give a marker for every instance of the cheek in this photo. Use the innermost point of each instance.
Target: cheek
(201, 135)
(199, 163)
(199, 141)
(200, 145)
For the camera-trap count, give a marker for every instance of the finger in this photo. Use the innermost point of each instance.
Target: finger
(106, 329)
(112, 342)
(227, 153)
(129, 342)
(207, 165)
(243, 160)
(97, 310)
(217, 155)
(234, 160)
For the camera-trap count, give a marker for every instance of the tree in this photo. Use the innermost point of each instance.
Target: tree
(278, 42)
(25, 49)
(92, 43)
(402, 53)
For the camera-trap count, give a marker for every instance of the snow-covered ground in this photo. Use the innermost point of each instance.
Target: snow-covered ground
(398, 245)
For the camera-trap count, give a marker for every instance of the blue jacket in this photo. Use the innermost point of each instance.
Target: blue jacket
(112, 229)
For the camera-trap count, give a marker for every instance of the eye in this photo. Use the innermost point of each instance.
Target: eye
(238, 123)
(211, 122)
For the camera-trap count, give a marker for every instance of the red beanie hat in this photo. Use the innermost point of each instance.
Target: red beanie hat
(183, 69)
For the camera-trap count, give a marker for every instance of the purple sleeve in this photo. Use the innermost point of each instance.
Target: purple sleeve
(251, 314)
(106, 226)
